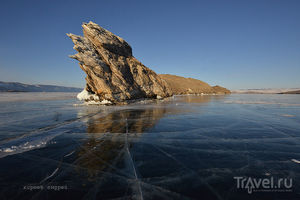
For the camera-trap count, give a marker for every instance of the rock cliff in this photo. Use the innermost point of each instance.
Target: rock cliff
(114, 75)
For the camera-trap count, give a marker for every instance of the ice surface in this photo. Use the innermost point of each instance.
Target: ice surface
(187, 147)
(34, 96)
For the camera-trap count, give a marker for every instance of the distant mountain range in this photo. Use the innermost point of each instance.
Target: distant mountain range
(268, 91)
(21, 87)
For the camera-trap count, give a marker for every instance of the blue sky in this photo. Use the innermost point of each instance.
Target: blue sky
(236, 44)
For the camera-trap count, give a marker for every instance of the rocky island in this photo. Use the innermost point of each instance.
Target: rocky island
(115, 76)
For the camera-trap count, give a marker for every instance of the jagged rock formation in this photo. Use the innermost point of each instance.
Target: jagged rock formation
(113, 74)
(181, 85)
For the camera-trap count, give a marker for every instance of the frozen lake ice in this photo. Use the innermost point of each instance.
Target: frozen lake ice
(185, 147)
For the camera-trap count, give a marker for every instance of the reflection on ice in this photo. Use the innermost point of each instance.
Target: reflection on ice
(108, 137)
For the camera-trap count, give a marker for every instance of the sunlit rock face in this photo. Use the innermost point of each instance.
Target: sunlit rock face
(113, 74)
(182, 85)
(220, 90)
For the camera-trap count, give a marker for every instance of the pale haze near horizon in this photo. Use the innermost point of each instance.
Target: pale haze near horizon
(235, 44)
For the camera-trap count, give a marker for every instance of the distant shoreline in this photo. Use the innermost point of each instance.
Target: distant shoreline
(16, 91)
(263, 93)
(267, 91)
(10, 97)
(21, 87)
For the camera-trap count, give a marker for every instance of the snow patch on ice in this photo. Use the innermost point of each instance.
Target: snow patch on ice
(103, 102)
(295, 161)
(21, 148)
(91, 99)
(28, 143)
(85, 95)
